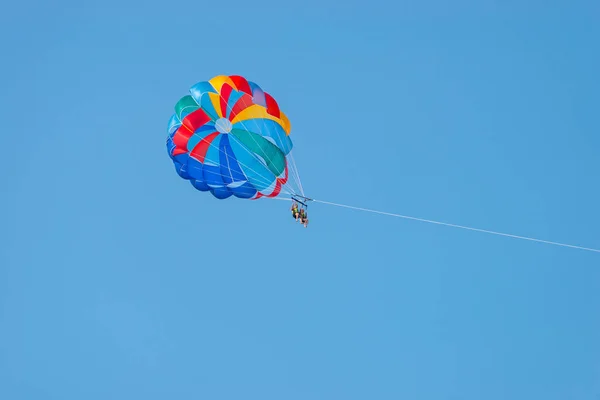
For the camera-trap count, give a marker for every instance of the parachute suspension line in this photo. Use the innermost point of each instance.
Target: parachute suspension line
(297, 173)
(294, 173)
(459, 226)
(283, 189)
(230, 109)
(282, 198)
(290, 166)
(293, 177)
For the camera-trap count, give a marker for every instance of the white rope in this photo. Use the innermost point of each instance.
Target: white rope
(297, 173)
(460, 226)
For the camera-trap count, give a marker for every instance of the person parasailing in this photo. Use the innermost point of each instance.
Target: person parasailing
(294, 209)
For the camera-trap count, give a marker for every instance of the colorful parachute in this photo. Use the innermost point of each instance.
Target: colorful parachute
(229, 137)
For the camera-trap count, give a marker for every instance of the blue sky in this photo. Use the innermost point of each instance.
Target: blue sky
(118, 280)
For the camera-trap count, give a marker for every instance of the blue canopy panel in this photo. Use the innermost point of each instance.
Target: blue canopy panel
(181, 170)
(220, 173)
(268, 129)
(232, 174)
(211, 171)
(258, 175)
(199, 89)
(174, 124)
(170, 146)
(195, 171)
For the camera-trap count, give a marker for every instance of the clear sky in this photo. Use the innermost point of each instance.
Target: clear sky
(118, 280)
